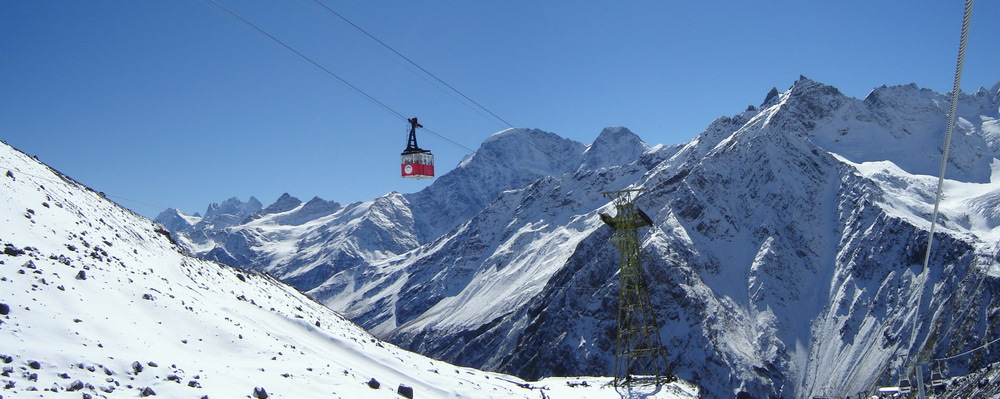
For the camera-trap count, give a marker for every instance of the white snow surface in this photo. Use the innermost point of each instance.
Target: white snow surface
(94, 291)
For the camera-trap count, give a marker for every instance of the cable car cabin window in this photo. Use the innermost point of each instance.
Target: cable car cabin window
(417, 165)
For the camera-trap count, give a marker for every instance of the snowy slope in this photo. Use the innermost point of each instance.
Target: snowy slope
(98, 302)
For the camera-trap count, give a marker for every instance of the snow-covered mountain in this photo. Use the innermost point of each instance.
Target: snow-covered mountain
(98, 302)
(785, 259)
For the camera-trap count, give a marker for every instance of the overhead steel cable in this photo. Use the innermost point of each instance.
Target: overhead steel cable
(966, 19)
(379, 41)
(310, 60)
(459, 92)
(372, 98)
(913, 359)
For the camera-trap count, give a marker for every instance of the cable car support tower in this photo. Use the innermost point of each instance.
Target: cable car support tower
(639, 354)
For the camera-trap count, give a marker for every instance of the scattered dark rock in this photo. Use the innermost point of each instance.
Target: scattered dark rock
(194, 384)
(373, 383)
(405, 391)
(152, 364)
(137, 367)
(6, 358)
(34, 364)
(259, 393)
(82, 275)
(147, 391)
(75, 386)
(63, 376)
(11, 250)
(33, 377)
(4, 310)
(87, 396)
(174, 378)
(148, 297)
(240, 276)
(11, 175)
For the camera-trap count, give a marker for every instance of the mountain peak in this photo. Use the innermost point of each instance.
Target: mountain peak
(808, 87)
(284, 203)
(175, 220)
(533, 150)
(234, 207)
(615, 145)
(769, 99)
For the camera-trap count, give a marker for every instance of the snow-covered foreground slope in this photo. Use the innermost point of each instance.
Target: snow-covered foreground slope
(95, 301)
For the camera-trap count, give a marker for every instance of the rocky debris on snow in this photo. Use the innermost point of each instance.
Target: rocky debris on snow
(259, 393)
(373, 383)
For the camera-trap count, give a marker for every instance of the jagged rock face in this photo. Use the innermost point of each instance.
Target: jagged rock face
(785, 259)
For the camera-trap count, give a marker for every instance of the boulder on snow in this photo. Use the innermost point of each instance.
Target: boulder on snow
(11, 250)
(137, 367)
(259, 393)
(4, 310)
(405, 391)
(82, 275)
(147, 391)
(373, 383)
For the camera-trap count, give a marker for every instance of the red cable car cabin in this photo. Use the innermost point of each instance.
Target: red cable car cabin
(416, 163)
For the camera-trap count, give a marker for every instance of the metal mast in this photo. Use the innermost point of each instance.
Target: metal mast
(639, 353)
(411, 142)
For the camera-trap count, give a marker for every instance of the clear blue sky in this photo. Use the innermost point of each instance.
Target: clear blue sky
(178, 104)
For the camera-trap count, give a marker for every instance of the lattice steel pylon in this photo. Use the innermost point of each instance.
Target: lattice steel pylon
(639, 354)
